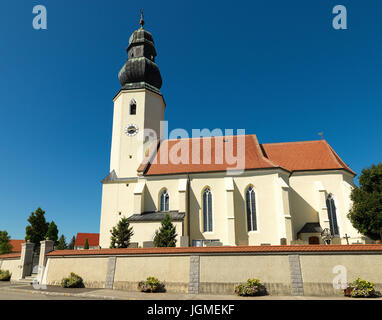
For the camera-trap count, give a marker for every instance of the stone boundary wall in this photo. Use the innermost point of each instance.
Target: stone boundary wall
(11, 262)
(285, 270)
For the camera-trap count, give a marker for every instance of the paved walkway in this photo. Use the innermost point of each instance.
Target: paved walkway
(54, 292)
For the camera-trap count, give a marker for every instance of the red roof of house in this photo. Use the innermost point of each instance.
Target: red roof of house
(305, 155)
(10, 255)
(16, 245)
(291, 156)
(93, 239)
(224, 250)
(203, 159)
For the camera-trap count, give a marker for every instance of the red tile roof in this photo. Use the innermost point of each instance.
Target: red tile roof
(10, 255)
(291, 156)
(16, 245)
(93, 239)
(224, 249)
(305, 155)
(208, 147)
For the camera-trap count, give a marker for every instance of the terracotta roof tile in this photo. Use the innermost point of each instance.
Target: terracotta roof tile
(305, 155)
(10, 255)
(93, 239)
(224, 249)
(291, 156)
(203, 159)
(16, 245)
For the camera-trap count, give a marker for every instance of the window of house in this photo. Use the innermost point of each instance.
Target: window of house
(250, 199)
(133, 107)
(332, 215)
(207, 210)
(164, 200)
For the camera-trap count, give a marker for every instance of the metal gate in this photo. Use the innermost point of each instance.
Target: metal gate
(35, 261)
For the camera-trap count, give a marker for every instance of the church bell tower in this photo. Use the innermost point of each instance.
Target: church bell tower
(138, 106)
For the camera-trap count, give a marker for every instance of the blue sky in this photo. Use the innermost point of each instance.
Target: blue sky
(275, 68)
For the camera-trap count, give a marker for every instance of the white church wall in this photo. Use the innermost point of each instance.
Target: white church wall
(145, 231)
(263, 183)
(117, 202)
(305, 203)
(126, 151)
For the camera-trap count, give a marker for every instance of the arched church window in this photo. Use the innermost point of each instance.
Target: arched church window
(250, 199)
(332, 215)
(164, 200)
(207, 210)
(133, 107)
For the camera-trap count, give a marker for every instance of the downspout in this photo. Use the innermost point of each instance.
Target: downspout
(188, 210)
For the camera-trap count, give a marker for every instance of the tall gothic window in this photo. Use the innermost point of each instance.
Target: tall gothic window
(250, 199)
(133, 107)
(164, 200)
(332, 215)
(207, 210)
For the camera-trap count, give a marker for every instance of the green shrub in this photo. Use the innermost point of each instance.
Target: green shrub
(360, 289)
(151, 285)
(5, 275)
(74, 281)
(253, 287)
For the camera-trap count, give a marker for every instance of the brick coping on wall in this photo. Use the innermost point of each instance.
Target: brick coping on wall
(223, 249)
(10, 255)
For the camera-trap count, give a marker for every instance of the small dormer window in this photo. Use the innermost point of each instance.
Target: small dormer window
(133, 107)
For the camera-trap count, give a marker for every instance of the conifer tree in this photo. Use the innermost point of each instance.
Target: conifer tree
(52, 233)
(86, 245)
(72, 243)
(121, 234)
(61, 245)
(37, 228)
(166, 235)
(5, 246)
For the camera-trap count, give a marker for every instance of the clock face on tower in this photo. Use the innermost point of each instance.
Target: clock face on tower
(131, 130)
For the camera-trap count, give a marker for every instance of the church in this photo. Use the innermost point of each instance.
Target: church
(279, 193)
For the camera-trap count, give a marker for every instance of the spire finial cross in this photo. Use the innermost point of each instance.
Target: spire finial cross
(141, 21)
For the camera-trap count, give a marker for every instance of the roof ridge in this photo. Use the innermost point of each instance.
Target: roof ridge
(202, 137)
(154, 147)
(294, 142)
(262, 155)
(337, 158)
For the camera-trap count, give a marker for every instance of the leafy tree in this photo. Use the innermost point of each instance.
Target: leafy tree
(166, 235)
(52, 233)
(61, 245)
(86, 245)
(5, 246)
(366, 213)
(121, 234)
(72, 243)
(36, 231)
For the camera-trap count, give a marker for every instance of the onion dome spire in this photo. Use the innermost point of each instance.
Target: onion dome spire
(140, 69)
(141, 21)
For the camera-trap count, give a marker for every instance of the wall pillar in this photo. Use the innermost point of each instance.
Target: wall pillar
(286, 229)
(194, 275)
(46, 246)
(182, 207)
(296, 275)
(230, 211)
(26, 259)
(109, 283)
(322, 209)
(139, 197)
